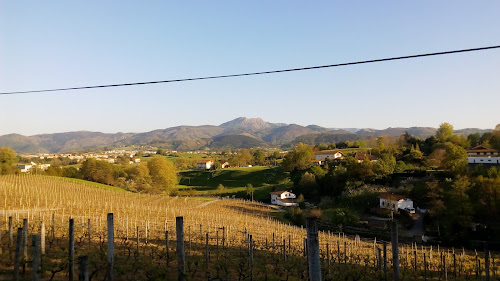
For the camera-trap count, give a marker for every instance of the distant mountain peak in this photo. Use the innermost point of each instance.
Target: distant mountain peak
(252, 124)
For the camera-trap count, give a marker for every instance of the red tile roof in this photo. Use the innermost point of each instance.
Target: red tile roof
(482, 148)
(390, 196)
(361, 155)
(327, 152)
(278, 192)
(203, 161)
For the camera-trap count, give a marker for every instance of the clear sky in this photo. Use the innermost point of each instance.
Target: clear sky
(53, 44)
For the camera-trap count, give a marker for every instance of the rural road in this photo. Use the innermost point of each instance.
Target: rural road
(417, 229)
(206, 203)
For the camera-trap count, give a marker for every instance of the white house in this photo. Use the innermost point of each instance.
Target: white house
(283, 198)
(224, 165)
(483, 155)
(396, 202)
(24, 167)
(204, 164)
(327, 154)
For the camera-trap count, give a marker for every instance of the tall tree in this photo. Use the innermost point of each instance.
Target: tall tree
(7, 159)
(7, 155)
(444, 132)
(300, 158)
(455, 159)
(259, 157)
(163, 173)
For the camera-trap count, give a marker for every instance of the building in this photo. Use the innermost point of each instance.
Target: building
(328, 154)
(483, 155)
(396, 202)
(24, 167)
(283, 198)
(204, 164)
(360, 156)
(318, 162)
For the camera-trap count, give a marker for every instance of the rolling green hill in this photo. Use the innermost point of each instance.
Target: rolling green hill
(232, 177)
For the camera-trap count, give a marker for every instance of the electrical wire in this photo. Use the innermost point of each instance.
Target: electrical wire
(253, 73)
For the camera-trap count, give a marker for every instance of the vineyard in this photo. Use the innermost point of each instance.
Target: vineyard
(225, 239)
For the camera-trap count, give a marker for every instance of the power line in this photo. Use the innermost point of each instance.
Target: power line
(253, 73)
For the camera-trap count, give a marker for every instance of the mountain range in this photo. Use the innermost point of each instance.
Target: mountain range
(241, 132)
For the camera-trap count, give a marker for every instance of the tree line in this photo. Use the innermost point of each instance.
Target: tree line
(432, 171)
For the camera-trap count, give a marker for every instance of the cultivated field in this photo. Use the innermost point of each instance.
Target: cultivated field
(227, 239)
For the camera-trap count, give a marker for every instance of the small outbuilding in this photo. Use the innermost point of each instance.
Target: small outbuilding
(284, 198)
(204, 164)
(396, 202)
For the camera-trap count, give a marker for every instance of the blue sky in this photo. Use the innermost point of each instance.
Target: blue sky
(54, 44)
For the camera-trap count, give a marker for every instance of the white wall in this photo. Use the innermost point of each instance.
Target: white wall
(408, 203)
(483, 160)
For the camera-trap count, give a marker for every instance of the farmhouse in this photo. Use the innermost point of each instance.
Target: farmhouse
(327, 154)
(360, 156)
(318, 162)
(204, 164)
(483, 155)
(396, 202)
(24, 167)
(283, 198)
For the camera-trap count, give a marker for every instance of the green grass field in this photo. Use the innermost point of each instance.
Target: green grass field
(232, 177)
(234, 180)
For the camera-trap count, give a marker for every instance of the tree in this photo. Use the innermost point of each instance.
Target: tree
(415, 153)
(455, 159)
(259, 157)
(437, 208)
(244, 157)
(220, 187)
(459, 206)
(495, 138)
(163, 173)
(317, 171)
(99, 171)
(381, 142)
(444, 132)
(300, 158)
(160, 151)
(274, 157)
(436, 158)
(7, 159)
(7, 155)
(385, 165)
(474, 139)
(308, 185)
(217, 166)
(250, 190)
(139, 173)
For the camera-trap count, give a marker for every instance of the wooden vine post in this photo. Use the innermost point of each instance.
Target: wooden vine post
(181, 256)
(385, 260)
(111, 247)
(71, 249)
(395, 249)
(11, 238)
(83, 273)
(36, 257)
(17, 258)
(313, 250)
